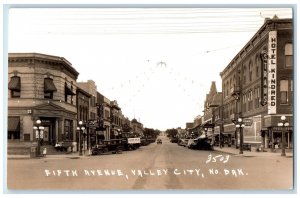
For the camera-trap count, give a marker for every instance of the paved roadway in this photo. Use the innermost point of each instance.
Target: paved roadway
(153, 167)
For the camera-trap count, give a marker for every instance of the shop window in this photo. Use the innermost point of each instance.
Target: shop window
(284, 91)
(13, 128)
(68, 131)
(288, 55)
(292, 92)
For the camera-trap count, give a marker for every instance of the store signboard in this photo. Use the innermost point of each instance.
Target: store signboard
(272, 67)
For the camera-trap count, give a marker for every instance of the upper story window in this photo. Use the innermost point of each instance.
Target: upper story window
(250, 71)
(257, 66)
(244, 74)
(227, 89)
(224, 89)
(15, 86)
(288, 52)
(284, 91)
(49, 88)
(68, 92)
(233, 80)
(93, 101)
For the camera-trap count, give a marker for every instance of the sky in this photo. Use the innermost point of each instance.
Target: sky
(158, 63)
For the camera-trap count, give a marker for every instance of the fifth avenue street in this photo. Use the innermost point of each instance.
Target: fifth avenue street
(153, 167)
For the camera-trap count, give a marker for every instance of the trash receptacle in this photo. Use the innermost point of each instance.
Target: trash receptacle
(33, 152)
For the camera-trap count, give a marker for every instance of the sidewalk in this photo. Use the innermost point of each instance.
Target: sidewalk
(59, 156)
(234, 151)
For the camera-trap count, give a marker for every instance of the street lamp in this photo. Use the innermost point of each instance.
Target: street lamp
(39, 129)
(205, 131)
(119, 133)
(283, 124)
(81, 129)
(240, 124)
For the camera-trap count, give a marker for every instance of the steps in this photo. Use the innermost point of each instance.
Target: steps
(23, 148)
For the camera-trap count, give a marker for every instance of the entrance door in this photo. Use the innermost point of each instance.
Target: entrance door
(46, 133)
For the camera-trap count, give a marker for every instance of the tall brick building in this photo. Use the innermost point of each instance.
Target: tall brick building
(258, 85)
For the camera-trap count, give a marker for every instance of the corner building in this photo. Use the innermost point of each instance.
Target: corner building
(258, 85)
(41, 87)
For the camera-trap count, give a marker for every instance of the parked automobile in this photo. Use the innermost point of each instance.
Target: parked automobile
(174, 140)
(113, 146)
(63, 146)
(183, 142)
(201, 143)
(159, 141)
(191, 142)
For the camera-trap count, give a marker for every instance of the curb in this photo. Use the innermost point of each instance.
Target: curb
(252, 154)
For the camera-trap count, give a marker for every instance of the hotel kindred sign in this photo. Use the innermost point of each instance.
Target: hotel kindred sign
(272, 63)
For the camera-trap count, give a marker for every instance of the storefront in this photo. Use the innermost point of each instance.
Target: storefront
(13, 128)
(229, 134)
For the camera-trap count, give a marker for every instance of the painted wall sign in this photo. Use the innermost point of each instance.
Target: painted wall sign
(272, 63)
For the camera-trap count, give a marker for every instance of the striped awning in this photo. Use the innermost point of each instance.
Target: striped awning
(49, 85)
(14, 83)
(13, 124)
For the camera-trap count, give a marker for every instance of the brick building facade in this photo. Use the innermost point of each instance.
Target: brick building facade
(258, 85)
(41, 87)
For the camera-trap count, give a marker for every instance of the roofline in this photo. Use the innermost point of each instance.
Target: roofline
(260, 30)
(57, 59)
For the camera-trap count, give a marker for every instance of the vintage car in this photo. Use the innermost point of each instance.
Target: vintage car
(159, 141)
(63, 146)
(109, 146)
(183, 142)
(201, 143)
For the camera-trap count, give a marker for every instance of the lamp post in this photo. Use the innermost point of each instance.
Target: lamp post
(81, 129)
(119, 133)
(205, 131)
(283, 124)
(240, 124)
(39, 129)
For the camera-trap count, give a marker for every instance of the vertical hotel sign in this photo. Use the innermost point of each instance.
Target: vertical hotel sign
(272, 63)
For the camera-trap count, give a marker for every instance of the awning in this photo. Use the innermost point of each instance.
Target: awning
(208, 125)
(13, 124)
(14, 83)
(49, 85)
(68, 91)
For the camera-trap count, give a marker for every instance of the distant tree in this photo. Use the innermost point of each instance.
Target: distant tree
(171, 132)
